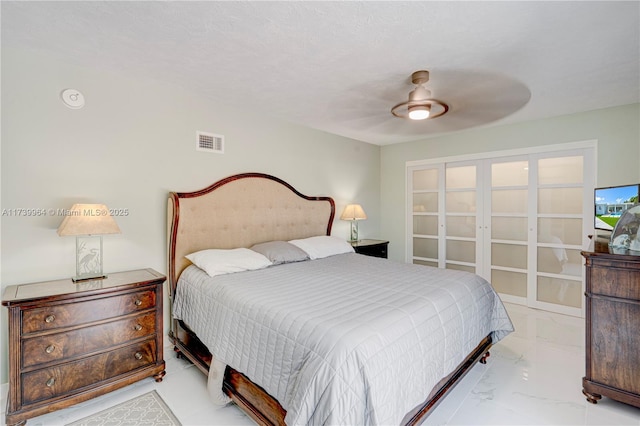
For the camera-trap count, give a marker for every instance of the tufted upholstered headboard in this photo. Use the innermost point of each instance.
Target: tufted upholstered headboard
(240, 211)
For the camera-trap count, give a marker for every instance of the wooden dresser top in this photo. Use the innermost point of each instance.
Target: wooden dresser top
(66, 288)
(600, 247)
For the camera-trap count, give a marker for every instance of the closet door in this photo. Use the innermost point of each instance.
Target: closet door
(426, 204)
(519, 221)
(563, 202)
(507, 227)
(463, 232)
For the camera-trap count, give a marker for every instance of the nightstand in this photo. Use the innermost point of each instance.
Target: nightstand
(375, 248)
(70, 342)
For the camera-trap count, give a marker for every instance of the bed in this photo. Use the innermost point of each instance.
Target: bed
(334, 338)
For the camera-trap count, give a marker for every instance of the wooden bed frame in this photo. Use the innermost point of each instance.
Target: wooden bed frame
(240, 211)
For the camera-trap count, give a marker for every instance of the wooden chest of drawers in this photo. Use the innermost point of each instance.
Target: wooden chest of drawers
(69, 342)
(612, 326)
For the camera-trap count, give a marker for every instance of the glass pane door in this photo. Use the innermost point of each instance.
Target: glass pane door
(509, 225)
(516, 220)
(560, 207)
(425, 207)
(461, 210)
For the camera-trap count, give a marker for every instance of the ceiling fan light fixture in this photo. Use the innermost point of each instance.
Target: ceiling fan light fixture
(419, 112)
(419, 94)
(420, 106)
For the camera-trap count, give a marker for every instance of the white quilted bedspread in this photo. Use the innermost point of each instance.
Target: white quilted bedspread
(349, 339)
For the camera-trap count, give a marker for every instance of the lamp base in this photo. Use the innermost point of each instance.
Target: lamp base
(88, 258)
(354, 232)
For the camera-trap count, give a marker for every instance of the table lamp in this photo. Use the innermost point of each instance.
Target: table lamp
(353, 213)
(88, 222)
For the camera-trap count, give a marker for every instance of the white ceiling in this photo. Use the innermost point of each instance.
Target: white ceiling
(341, 66)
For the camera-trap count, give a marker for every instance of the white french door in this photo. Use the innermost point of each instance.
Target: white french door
(519, 221)
(508, 226)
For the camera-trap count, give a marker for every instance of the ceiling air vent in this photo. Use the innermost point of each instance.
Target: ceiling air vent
(210, 142)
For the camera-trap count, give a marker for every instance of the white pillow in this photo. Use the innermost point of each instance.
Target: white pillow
(218, 262)
(323, 246)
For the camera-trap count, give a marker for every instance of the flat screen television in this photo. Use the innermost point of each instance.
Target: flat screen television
(611, 202)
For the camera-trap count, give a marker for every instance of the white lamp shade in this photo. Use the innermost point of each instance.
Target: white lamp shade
(88, 219)
(353, 212)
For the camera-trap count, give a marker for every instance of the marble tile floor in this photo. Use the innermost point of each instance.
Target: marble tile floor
(533, 377)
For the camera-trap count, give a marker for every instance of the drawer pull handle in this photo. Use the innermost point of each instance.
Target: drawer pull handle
(138, 356)
(137, 327)
(50, 382)
(49, 319)
(49, 349)
(138, 302)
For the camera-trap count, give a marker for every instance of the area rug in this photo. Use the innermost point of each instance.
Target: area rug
(145, 410)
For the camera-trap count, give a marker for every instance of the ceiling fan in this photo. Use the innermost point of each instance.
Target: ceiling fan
(420, 105)
(461, 99)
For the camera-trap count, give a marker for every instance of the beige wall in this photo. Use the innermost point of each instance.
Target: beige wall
(617, 131)
(131, 144)
(135, 141)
